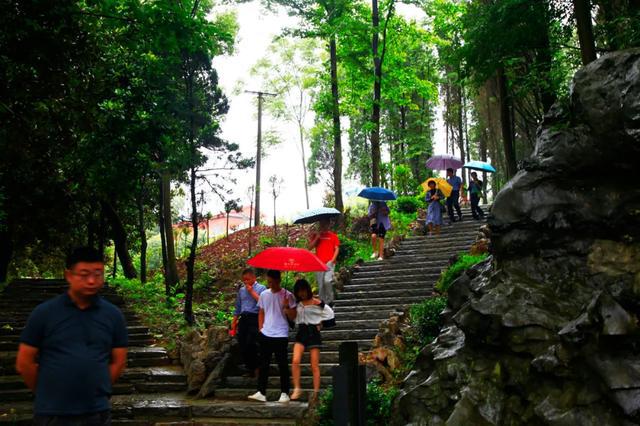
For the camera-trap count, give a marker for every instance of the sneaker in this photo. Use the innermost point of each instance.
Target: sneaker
(381, 258)
(373, 255)
(284, 397)
(258, 396)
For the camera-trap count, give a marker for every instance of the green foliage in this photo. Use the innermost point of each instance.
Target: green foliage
(164, 315)
(353, 249)
(449, 275)
(400, 223)
(402, 178)
(407, 204)
(425, 318)
(378, 410)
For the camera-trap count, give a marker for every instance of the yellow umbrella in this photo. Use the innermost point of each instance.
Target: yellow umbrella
(441, 184)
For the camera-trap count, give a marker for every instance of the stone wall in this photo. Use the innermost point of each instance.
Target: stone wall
(546, 331)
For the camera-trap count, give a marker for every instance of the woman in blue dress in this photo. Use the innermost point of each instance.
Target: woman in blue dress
(434, 211)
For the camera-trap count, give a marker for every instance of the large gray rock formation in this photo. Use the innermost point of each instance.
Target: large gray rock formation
(546, 332)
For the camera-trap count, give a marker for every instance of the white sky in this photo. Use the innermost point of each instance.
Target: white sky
(257, 28)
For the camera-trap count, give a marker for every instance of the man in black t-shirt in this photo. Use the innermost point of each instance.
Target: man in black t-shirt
(74, 347)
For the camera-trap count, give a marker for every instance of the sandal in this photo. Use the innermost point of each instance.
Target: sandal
(296, 394)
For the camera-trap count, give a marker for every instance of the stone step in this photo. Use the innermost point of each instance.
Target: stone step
(435, 252)
(419, 289)
(137, 357)
(339, 310)
(13, 341)
(179, 410)
(180, 406)
(438, 241)
(306, 382)
(131, 329)
(273, 392)
(466, 227)
(365, 333)
(428, 281)
(381, 301)
(10, 395)
(123, 388)
(375, 316)
(400, 267)
(434, 269)
(138, 375)
(395, 278)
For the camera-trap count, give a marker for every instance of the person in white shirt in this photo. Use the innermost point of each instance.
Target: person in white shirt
(311, 314)
(276, 305)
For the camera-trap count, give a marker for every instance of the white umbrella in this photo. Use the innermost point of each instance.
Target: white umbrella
(315, 215)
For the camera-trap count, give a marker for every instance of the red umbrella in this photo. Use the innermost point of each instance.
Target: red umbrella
(287, 259)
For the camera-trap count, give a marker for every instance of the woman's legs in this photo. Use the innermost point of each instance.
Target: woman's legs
(437, 229)
(315, 368)
(430, 227)
(380, 247)
(298, 350)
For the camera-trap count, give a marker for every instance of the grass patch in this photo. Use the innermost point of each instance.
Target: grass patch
(449, 275)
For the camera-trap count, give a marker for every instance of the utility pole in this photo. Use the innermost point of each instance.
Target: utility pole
(261, 96)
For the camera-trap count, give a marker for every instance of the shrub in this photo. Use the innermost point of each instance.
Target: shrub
(407, 204)
(425, 318)
(449, 275)
(351, 250)
(378, 410)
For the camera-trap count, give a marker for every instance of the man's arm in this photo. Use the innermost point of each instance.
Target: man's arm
(253, 293)
(335, 255)
(26, 364)
(260, 319)
(313, 240)
(234, 325)
(118, 363)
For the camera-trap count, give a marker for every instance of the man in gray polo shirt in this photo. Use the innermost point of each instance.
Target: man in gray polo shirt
(73, 348)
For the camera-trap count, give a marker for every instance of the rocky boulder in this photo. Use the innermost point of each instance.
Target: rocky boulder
(546, 331)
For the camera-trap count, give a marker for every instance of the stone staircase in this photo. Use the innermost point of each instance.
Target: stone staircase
(152, 391)
(376, 289)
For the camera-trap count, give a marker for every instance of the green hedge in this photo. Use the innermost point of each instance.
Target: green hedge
(378, 410)
(407, 204)
(464, 262)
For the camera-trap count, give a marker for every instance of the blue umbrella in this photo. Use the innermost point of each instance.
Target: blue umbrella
(481, 166)
(315, 215)
(376, 193)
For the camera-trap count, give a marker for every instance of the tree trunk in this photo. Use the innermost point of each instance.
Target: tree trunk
(6, 253)
(337, 132)
(256, 220)
(461, 130)
(119, 235)
(143, 235)
(101, 232)
(548, 96)
(191, 260)
(377, 89)
(171, 271)
(163, 240)
(304, 166)
(582, 11)
(505, 124)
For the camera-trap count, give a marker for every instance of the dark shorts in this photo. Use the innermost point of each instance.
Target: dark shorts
(379, 230)
(309, 336)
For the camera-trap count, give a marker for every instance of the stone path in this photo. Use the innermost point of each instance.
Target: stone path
(152, 390)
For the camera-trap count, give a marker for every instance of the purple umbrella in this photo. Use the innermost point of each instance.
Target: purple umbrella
(444, 162)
